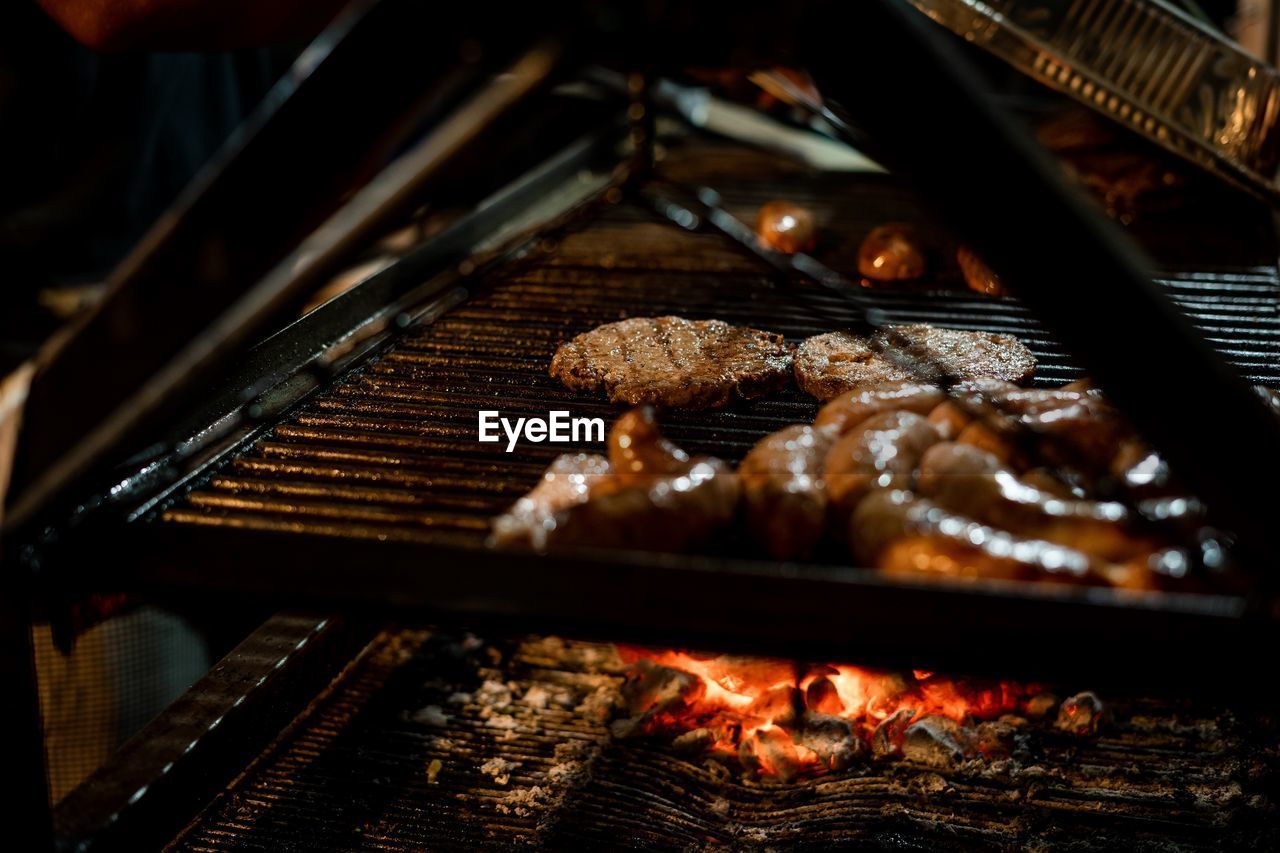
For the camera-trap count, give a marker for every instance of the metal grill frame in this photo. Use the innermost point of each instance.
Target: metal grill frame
(1150, 629)
(718, 601)
(1096, 243)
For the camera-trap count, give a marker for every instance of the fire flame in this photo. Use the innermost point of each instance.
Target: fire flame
(779, 717)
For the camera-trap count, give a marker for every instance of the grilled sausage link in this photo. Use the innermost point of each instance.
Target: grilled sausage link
(883, 452)
(851, 408)
(783, 491)
(899, 532)
(967, 480)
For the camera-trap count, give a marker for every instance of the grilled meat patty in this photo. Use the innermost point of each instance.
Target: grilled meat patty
(829, 365)
(671, 361)
(957, 354)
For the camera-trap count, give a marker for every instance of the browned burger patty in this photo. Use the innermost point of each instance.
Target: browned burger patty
(671, 361)
(956, 354)
(829, 365)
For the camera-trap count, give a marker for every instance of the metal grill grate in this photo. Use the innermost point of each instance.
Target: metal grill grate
(391, 451)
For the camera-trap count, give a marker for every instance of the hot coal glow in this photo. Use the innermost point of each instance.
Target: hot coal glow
(779, 718)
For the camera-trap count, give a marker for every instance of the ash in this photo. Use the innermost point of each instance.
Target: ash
(555, 738)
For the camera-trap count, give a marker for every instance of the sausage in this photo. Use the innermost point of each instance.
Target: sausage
(853, 407)
(882, 452)
(967, 480)
(783, 491)
(899, 532)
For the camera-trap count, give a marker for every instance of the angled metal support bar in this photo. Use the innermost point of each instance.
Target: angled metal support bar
(205, 281)
(145, 792)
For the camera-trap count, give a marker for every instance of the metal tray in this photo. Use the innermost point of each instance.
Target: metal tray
(1145, 65)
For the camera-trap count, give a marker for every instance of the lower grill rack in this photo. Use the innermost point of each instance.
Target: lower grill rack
(447, 742)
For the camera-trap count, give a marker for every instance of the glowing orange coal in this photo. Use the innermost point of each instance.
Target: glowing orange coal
(780, 718)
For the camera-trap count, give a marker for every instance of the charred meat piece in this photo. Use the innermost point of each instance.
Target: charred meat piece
(967, 480)
(897, 532)
(1077, 433)
(786, 227)
(977, 275)
(935, 354)
(892, 252)
(1062, 483)
(829, 365)
(882, 452)
(671, 361)
(660, 498)
(534, 519)
(999, 441)
(853, 407)
(1078, 427)
(1045, 406)
(674, 514)
(649, 495)
(640, 453)
(948, 419)
(900, 533)
(783, 491)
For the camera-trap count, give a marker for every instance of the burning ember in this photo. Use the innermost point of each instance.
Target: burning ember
(779, 718)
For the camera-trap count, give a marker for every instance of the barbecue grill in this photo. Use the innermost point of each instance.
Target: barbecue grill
(331, 464)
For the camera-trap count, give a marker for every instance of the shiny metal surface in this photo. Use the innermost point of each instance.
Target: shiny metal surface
(1144, 64)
